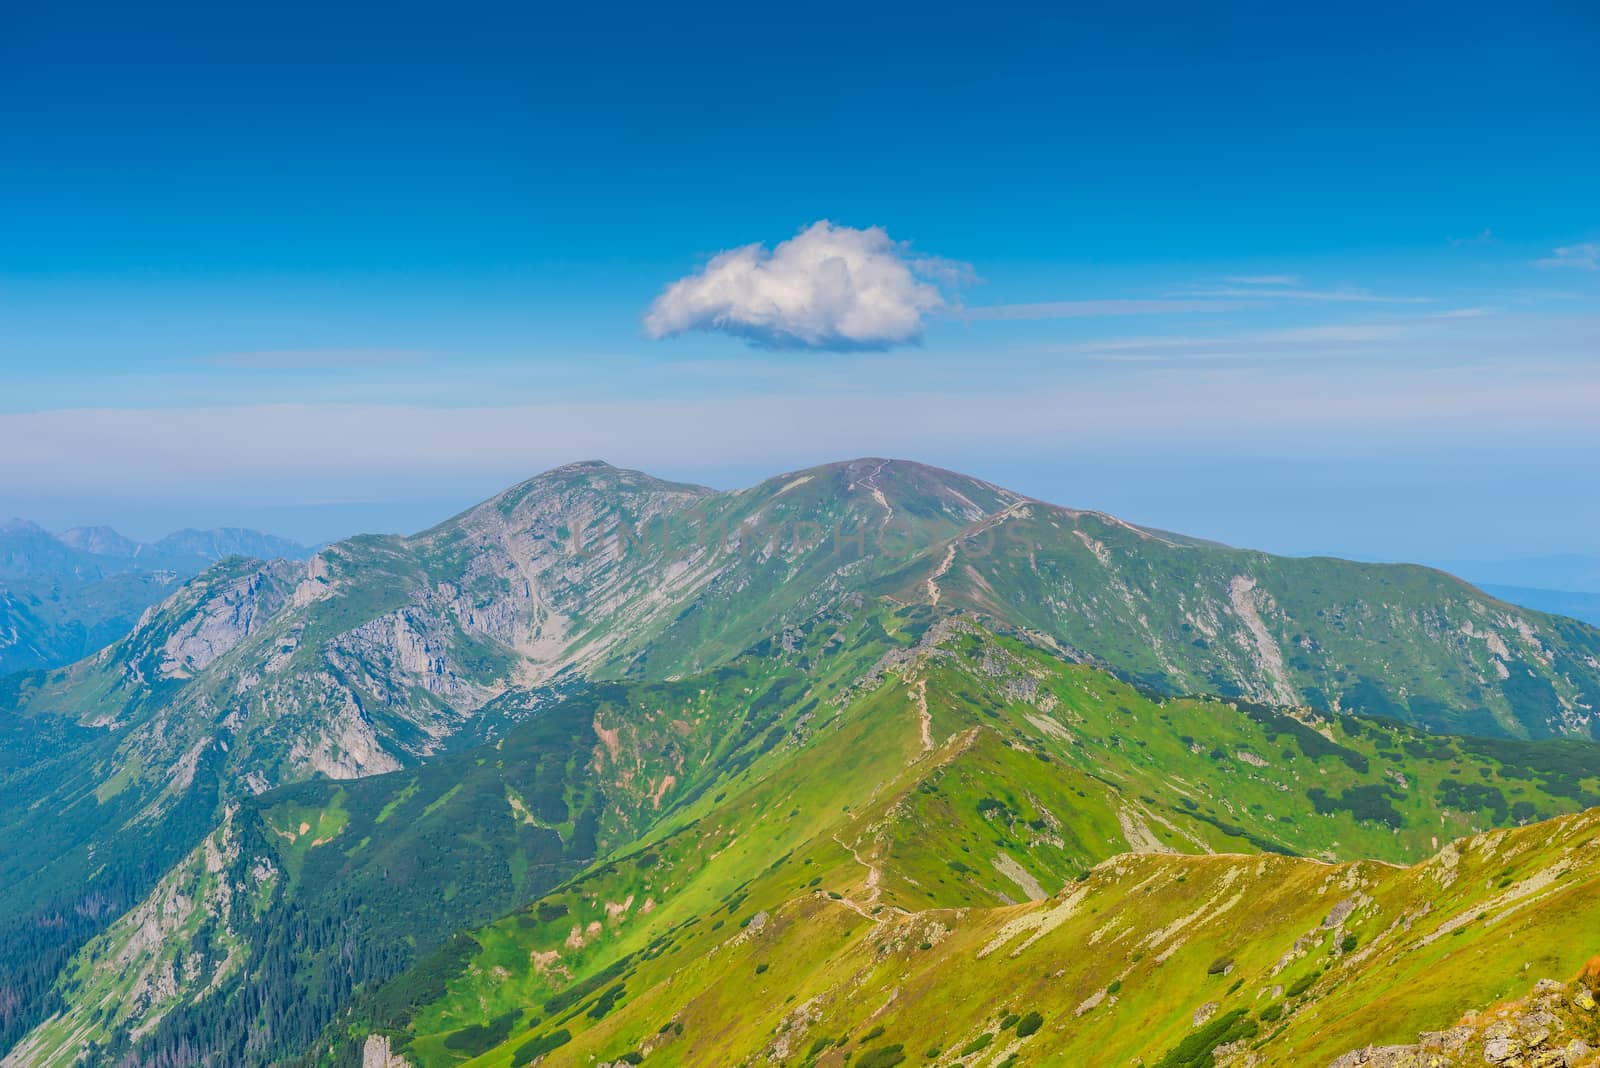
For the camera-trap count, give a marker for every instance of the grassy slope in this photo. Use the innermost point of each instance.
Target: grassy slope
(1397, 640)
(1177, 938)
(399, 861)
(1039, 769)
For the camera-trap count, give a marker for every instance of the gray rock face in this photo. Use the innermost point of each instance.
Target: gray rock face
(1501, 1050)
(375, 1053)
(229, 614)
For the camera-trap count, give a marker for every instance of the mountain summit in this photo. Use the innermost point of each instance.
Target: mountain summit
(378, 649)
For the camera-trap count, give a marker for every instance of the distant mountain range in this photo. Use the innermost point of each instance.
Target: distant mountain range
(66, 594)
(1566, 584)
(1566, 571)
(1584, 606)
(576, 766)
(29, 551)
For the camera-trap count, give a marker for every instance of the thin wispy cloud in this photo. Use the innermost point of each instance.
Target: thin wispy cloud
(1585, 257)
(1081, 309)
(313, 359)
(1291, 293)
(1320, 339)
(1263, 280)
(1238, 291)
(1484, 237)
(1352, 333)
(829, 287)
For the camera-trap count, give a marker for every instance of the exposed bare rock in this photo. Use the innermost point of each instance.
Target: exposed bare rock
(375, 1053)
(1551, 1028)
(1247, 604)
(230, 613)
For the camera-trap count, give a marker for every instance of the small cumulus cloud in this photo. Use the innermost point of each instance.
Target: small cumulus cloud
(828, 287)
(1584, 257)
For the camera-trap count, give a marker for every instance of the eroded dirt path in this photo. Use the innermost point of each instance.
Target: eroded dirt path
(924, 719)
(870, 484)
(943, 569)
(874, 873)
(874, 878)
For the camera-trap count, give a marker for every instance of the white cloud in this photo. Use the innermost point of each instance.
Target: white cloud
(828, 287)
(1584, 257)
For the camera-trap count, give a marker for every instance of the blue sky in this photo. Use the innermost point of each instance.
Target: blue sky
(1290, 280)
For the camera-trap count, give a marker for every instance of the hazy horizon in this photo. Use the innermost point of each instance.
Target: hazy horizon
(333, 521)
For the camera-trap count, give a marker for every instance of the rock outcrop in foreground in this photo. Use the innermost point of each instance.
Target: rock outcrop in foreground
(1557, 1026)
